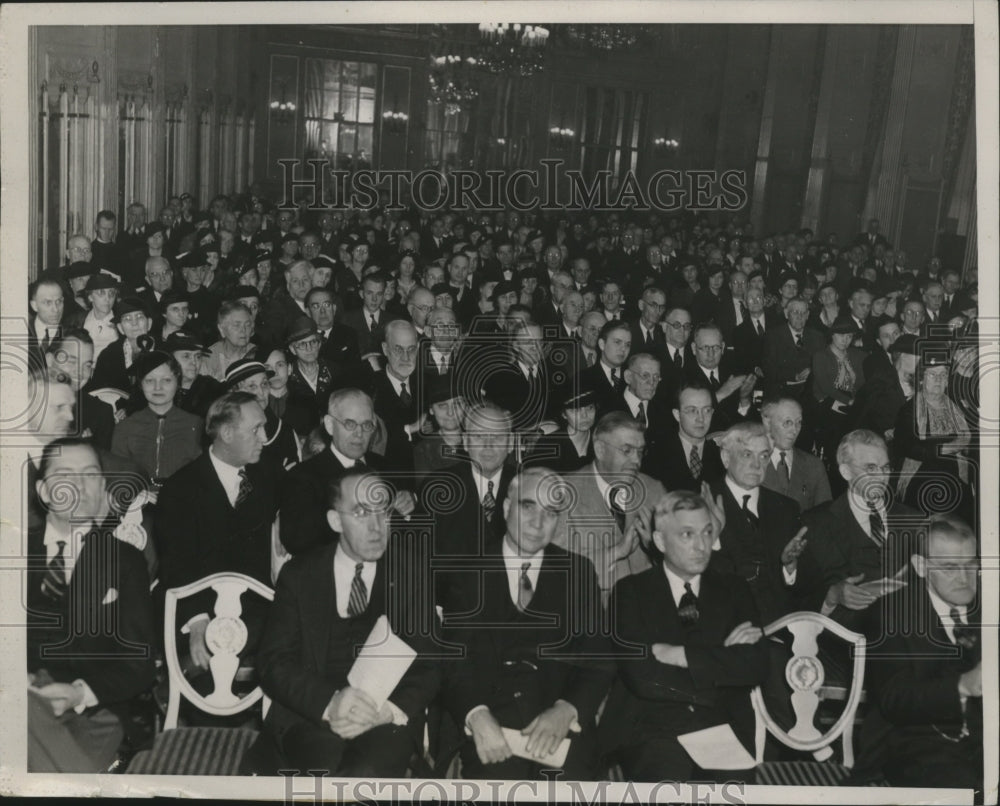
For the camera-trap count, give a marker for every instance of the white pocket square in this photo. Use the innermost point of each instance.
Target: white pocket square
(110, 596)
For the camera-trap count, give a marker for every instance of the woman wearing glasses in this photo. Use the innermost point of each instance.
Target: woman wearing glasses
(309, 376)
(931, 444)
(572, 446)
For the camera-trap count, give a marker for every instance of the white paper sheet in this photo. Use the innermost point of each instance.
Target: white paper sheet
(381, 663)
(717, 748)
(518, 744)
(882, 587)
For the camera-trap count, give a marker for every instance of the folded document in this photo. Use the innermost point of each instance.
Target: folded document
(381, 663)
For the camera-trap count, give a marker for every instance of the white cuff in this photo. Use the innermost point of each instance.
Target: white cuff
(468, 730)
(789, 575)
(827, 609)
(89, 698)
(398, 717)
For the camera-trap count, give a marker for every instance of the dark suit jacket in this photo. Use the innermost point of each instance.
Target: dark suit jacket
(808, 484)
(783, 360)
(672, 462)
(748, 347)
(876, 362)
(659, 348)
(109, 370)
(307, 649)
(912, 678)
(755, 554)
(199, 533)
(517, 663)
(660, 426)
(528, 402)
(557, 452)
(650, 699)
(340, 347)
(878, 403)
(304, 498)
(395, 415)
(463, 530)
(276, 319)
(103, 630)
(837, 547)
(595, 378)
(369, 341)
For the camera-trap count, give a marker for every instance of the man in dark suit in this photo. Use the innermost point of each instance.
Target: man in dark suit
(749, 336)
(687, 459)
(350, 422)
(479, 484)
(872, 237)
(642, 377)
(678, 356)
(319, 720)
(286, 305)
(858, 537)
(530, 629)
(732, 394)
(369, 322)
(607, 376)
(789, 350)
(882, 396)
(47, 305)
(791, 471)
(689, 646)
(339, 347)
(519, 382)
(215, 514)
(926, 675)
(647, 333)
(879, 360)
(433, 243)
(465, 305)
(72, 355)
(438, 354)
(395, 394)
(762, 540)
(90, 633)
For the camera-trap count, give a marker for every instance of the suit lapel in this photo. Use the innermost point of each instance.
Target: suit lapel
(319, 597)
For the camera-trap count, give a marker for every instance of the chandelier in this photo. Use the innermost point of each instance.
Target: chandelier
(605, 37)
(451, 81)
(512, 48)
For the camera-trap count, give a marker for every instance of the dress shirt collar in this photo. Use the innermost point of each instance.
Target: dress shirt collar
(776, 458)
(438, 356)
(709, 372)
(943, 609)
(482, 482)
(41, 328)
(795, 332)
(608, 370)
(525, 370)
(633, 403)
(687, 443)
(739, 493)
(759, 319)
(228, 475)
(673, 350)
(604, 488)
(54, 534)
(345, 461)
(397, 384)
(344, 569)
(514, 563)
(677, 584)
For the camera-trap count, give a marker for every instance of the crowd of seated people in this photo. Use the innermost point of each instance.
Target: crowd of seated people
(665, 432)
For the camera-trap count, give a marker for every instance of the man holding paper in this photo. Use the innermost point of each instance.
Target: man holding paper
(857, 549)
(689, 649)
(338, 657)
(528, 688)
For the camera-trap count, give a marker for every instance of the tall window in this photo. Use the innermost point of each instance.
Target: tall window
(446, 142)
(339, 112)
(612, 121)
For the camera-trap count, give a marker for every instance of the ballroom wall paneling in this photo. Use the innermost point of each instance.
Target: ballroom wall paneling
(762, 163)
(72, 138)
(798, 51)
(817, 182)
(742, 98)
(852, 74)
(394, 97)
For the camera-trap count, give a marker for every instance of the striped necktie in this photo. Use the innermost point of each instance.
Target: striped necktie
(524, 590)
(54, 583)
(358, 602)
(246, 488)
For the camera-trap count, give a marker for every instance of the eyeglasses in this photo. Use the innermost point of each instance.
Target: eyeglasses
(424, 308)
(307, 344)
(709, 348)
(648, 376)
(680, 325)
(321, 306)
(403, 352)
(352, 425)
(133, 319)
(361, 511)
(628, 451)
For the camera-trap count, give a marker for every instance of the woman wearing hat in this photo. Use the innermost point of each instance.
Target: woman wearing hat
(289, 251)
(348, 277)
(932, 442)
(572, 446)
(309, 376)
(161, 438)
(837, 375)
(197, 392)
(439, 448)
(112, 368)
